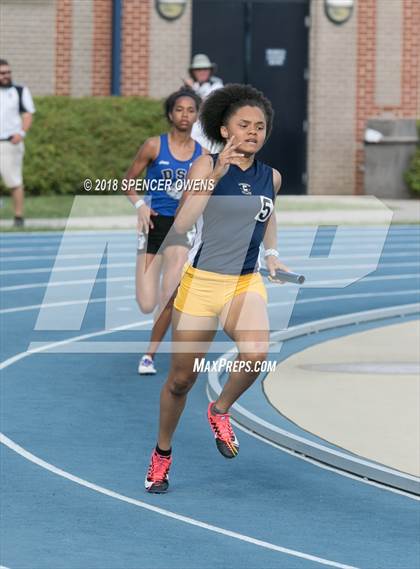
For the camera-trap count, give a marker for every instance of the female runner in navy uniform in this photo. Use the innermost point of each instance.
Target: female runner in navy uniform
(222, 283)
(168, 158)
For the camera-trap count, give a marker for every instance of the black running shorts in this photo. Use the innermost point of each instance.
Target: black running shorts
(154, 242)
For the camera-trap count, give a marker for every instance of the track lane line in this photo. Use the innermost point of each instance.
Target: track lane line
(343, 247)
(309, 285)
(300, 265)
(271, 304)
(167, 513)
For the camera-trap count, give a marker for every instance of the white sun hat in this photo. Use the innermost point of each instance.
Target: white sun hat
(201, 61)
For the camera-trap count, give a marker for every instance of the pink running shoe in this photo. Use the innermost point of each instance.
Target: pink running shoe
(226, 440)
(157, 477)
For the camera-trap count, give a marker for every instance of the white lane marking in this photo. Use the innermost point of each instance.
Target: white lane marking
(163, 512)
(45, 347)
(30, 237)
(304, 259)
(64, 283)
(272, 285)
(131, 297)
(64, 303)
(71, 268)
(73, 234)
(120, 244)
(346, 297)
(344, 281)
(403, 247)
(26, 249)
(301, 264)
(60, 256)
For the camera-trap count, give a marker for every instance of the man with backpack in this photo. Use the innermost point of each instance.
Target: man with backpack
(16, 110)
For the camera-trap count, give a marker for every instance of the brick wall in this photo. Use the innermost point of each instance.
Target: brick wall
(28, 43)
(170, 49)
(135, 47)
(366, 51)
(332, 104)
(418, 90)
(411, 60)
(63, 47)
(102, 47)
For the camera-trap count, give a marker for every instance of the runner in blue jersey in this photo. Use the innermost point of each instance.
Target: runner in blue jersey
(167, 158)
(235, 216)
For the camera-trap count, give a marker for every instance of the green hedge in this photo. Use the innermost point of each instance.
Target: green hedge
(412, 176)
(74, 139)
(97, 137)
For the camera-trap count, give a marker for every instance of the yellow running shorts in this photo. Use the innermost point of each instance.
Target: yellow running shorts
(203, 293)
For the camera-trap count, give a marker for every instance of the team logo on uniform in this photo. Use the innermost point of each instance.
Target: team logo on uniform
(246, 189)
(175, 191)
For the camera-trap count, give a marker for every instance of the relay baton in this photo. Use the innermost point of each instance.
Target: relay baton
(284, 276)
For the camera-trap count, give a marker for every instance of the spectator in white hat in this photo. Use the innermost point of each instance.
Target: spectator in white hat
(203, 82)
(201, 79)
(16, 109)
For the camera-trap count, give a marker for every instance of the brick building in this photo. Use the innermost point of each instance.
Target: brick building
(368, 67)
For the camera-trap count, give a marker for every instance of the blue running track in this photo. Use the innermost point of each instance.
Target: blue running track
(78, 429)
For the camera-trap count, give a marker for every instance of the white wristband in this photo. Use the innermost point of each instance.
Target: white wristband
(271, 253)
(138, 203)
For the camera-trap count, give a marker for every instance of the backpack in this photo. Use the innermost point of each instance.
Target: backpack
(19, 89)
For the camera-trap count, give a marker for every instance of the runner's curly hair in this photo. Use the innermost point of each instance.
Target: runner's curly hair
(170, 102)
(223, 103)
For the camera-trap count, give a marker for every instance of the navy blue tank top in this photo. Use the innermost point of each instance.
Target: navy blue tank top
(234, 221)
(166, 167)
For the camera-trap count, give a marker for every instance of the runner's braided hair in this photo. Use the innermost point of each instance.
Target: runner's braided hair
(220, 105)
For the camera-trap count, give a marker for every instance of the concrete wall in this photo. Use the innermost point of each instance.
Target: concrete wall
(389, 30)
(27, 41)
(82, 44)
(170, 49)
